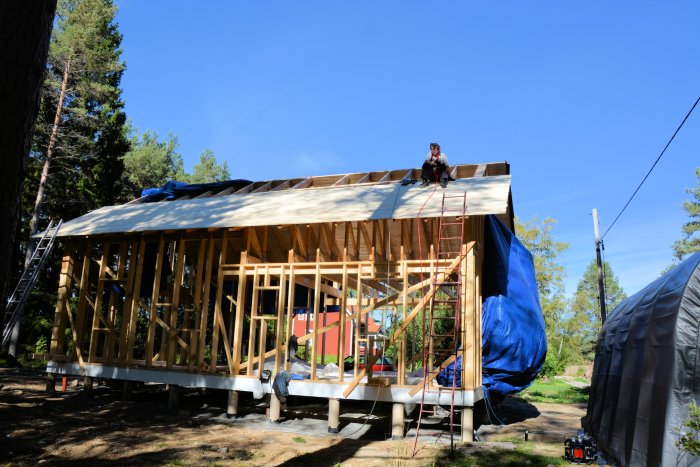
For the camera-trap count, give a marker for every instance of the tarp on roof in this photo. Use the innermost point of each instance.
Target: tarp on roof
(486, 195)
(174, 189)
(645, 373)
(514, 342)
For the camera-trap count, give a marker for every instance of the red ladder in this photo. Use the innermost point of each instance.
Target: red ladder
(441, 339)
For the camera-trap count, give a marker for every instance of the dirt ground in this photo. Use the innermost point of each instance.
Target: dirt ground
(77, 428)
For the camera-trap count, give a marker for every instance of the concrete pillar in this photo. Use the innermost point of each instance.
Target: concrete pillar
(232, 408)
(397, 423)
(51, 383)
(333, 415)
(275, 407)
(467, 424)
(173, 396)
(127, 386)
(87, 384)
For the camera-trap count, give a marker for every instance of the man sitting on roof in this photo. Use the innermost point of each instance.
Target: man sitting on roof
(435, 167)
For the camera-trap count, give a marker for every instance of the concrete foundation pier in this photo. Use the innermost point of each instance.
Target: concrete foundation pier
(333, 416)
(275, 408)
(173, 396)
(87, 384)
(232, 407)
(467, 424)
(397, 421)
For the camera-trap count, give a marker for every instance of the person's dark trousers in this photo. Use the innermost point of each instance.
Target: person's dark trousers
(439, 174)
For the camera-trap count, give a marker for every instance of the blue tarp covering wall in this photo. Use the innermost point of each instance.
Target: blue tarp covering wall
(514, 343)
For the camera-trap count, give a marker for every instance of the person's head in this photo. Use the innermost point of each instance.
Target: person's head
(434, 149)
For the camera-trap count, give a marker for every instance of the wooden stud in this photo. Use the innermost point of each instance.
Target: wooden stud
(155, 295)
(97, 314)
(204, 317)
(173, 336)
(63, 301)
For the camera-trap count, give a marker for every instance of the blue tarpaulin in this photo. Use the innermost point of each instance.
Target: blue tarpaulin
(174, 189)
(514, 343)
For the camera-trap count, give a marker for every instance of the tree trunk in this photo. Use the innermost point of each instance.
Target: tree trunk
(25, 33)
(38, 203)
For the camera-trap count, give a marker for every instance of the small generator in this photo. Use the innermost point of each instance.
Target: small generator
(580, 449)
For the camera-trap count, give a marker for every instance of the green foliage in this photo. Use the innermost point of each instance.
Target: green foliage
(689, 434)
(41, 345)
(86, 164)
(537, 238)
(522, 454)
(690, 240)
(555, 391)
(151, 163)
(208, 170)
(583, 326)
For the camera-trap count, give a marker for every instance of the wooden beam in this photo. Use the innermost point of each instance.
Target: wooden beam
(97, 314)
(240, 311)
(175, 303)
(303, 184)
(317, 306)
(136, 299)
(204, 317)
(282, 186)
(431, 292)
(155, 295)
(218, 317)
(58, 335)
(198, 283)
(342, 180)
(479, 172)
(264, 187)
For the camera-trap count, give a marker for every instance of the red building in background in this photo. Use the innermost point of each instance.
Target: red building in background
(303, 323)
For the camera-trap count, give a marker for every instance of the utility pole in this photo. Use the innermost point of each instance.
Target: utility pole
(601, 290)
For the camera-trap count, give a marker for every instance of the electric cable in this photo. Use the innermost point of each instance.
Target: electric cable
(652, 167)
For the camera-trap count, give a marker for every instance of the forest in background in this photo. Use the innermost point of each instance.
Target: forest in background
(86, 154)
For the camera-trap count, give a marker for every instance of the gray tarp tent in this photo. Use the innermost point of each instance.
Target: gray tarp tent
(646, 371)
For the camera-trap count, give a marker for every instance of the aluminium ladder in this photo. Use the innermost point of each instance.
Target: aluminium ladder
(441, 340)
(18, 299)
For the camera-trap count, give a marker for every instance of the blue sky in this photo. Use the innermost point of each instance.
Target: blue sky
(579, 97)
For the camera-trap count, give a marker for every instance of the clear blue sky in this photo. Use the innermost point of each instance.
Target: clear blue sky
(579, 97)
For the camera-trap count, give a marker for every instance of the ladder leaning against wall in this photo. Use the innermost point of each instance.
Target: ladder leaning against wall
(18, 299)
(441, 341)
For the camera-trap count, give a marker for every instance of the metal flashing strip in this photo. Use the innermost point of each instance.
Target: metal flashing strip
(325, 390)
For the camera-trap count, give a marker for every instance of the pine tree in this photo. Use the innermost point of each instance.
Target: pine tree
(584, 324)
(208, 170)
(83, 135)
(76, 159)
(151, 163)
(690, 242)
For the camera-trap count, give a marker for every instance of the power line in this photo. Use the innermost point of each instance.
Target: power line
(652, 167)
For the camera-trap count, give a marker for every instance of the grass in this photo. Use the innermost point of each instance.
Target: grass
(521, 455)
(555, 392)
(298, 439)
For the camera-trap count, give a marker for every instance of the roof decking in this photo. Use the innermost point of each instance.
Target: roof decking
(336, 198)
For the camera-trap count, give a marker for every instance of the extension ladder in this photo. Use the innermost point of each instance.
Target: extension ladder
(441, 340)
(18, 299)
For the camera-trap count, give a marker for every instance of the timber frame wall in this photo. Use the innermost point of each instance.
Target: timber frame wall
(220, 301)
(112, 322)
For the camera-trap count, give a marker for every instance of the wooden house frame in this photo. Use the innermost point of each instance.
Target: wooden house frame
(199, 291)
